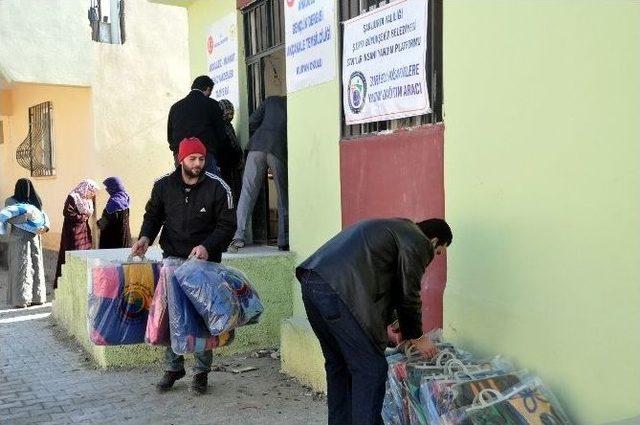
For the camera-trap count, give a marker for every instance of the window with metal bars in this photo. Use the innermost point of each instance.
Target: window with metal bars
(353, 8)
(106, 19)
(35, 153)
(264, 36)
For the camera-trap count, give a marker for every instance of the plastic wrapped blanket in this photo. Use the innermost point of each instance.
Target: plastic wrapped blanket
(37, 220)
(188, 330)
(529, 403)
(223, 296)
(157, 332)
(119, 300)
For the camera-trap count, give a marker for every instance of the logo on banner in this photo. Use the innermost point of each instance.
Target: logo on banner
(210, 45)
(290, 3)
(357, 91)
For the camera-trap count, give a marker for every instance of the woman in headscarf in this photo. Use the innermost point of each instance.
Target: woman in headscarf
(231, 156)
(76, 231)
(114, 223)
(26, 269)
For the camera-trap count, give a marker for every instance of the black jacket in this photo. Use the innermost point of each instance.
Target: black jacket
(114, 230)
(196, 116)
(376, 266)
(268, 127)
(202, 214)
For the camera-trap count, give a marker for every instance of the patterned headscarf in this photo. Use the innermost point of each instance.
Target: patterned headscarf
(118, 196)
(227, 109)
(82, 195)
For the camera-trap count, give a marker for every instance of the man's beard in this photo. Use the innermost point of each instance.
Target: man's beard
(193, 173)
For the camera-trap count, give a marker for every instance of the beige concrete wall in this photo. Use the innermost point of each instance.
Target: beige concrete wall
(45, 42)
(72, 140)
(133, 86)
(116, 126)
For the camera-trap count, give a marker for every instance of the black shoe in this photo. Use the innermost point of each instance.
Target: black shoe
(168, 380)
(283, 247)
(199, 383)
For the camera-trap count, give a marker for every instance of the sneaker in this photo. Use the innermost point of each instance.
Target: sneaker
(168, 380)
(235, 245)
(283, 247)
(21, 306)
(199, 383)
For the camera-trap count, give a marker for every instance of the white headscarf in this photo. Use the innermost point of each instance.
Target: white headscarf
(82, 195)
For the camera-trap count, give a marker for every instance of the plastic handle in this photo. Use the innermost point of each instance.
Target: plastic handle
(444, 357)
(487, 396)
(457, 364)
(130, 258)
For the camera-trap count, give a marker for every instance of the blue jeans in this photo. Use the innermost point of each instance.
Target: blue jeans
(356, 369)
(175, 362)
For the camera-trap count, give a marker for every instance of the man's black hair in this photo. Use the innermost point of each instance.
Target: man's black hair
(202, 82)
(437, 228)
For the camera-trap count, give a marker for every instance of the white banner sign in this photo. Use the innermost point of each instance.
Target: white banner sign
(310, 37)
(384, 63)
(222, 59)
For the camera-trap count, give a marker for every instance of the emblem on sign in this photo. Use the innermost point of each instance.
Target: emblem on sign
(357, 91)
(210, 44)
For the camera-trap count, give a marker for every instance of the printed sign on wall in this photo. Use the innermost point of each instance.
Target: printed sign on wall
(384, 63)
(310, 37)
(222, 59)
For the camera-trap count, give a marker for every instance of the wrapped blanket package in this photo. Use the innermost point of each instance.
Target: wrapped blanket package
(119, 300)
(157, 332)
(456, 389)
(37, 220)
(221, 295)
(188, 330)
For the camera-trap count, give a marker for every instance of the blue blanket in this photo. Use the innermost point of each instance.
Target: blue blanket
(119, 300)
(221, 295)
(36, 221)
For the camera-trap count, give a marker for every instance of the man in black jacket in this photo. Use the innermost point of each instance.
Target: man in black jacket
(196, 213)
(197, 115)
(350, 289)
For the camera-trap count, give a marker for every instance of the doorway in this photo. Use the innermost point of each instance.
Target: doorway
(266, 76)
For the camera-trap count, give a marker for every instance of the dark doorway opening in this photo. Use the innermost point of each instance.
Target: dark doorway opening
(265, 58)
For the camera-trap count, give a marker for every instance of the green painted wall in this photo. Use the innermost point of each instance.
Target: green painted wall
(314, 208)
(542, 171)
(314, 169)
(203, 13)
(271, 275)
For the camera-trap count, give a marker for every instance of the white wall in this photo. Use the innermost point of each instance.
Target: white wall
(45, 41)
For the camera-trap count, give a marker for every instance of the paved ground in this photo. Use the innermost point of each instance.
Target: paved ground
(46, 378)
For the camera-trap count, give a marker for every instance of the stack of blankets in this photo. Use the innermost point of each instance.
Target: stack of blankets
(191, 305)
(457, 389)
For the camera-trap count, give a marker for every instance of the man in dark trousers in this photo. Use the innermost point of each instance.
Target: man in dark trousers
(267, 148)
(350, 289)
(197, 115)
(196, 213)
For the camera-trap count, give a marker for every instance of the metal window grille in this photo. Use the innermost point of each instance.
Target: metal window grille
(264, 35)
(353, 8)
(36, 153)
